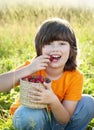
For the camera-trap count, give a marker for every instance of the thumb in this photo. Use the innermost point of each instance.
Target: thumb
(47, 84)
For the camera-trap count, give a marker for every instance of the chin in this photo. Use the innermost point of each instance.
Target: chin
(55, 66)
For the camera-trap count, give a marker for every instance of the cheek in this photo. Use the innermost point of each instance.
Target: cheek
(66, 51)
(45, 50)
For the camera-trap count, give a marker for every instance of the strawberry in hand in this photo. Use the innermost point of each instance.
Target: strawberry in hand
(51, 58)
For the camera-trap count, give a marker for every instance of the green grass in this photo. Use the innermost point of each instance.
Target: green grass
(18, 27)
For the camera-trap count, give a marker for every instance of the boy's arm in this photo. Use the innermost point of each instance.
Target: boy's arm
(63, 112)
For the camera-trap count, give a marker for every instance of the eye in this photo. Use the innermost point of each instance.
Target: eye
(62, 43)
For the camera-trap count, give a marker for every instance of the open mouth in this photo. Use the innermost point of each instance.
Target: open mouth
(54, 57)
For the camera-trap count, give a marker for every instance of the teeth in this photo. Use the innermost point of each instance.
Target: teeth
(55, 57)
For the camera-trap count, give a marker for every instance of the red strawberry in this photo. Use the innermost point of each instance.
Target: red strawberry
(27, 78)
(41, 78)
(37, 81)
(51, 58)
(32, 80)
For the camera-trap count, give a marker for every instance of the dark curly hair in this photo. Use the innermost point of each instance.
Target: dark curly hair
(56, 29)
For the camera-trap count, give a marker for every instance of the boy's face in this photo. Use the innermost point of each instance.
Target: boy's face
(58, 51)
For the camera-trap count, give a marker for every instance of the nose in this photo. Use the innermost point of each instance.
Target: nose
(55, 48)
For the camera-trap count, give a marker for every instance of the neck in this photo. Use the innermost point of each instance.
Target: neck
(54, 73)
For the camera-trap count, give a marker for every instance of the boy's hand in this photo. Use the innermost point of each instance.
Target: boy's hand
(39, 63)
(42, 95)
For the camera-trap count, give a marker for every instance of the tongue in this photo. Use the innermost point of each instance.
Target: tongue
(53, 58)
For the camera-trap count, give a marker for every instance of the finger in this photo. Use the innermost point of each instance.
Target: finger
(47, 85)
(44, 64)
(35, 101)
(35, 98)
(45, 60)
(44, 56)
(34, 93)
(38, 88)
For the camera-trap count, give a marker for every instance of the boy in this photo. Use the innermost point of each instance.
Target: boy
(56, 50)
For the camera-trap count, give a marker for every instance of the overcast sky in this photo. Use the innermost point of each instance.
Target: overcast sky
(73, 3)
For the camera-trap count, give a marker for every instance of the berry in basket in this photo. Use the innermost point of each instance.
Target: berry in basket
(36, 79)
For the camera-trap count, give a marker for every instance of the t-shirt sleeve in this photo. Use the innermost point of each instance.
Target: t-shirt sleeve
(74, 90)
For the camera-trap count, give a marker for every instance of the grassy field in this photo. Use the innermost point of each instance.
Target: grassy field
(18, 26)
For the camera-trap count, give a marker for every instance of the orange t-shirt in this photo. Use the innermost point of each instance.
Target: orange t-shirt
(67, 87)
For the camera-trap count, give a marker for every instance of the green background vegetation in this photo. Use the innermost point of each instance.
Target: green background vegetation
(18, 26)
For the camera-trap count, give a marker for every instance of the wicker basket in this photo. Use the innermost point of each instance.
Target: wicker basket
(25, 86)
